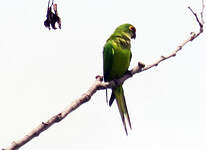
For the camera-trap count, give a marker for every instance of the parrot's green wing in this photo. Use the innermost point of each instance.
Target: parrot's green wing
(108, 54)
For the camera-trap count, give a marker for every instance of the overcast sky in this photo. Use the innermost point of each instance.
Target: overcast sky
(42, 71)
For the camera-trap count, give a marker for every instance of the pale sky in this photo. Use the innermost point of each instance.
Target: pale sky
(42, 71)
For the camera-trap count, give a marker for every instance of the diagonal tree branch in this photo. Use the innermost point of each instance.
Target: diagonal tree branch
(99, 85)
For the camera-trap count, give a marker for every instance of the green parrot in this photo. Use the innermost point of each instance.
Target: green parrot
(116, 60)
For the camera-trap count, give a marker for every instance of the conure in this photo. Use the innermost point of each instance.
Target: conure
(116, 60)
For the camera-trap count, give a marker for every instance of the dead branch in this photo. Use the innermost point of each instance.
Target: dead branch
(99, 85)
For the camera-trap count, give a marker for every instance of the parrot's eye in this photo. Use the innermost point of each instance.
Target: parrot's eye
(132, 28)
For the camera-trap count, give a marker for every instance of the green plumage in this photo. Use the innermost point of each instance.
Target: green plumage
(117, 57)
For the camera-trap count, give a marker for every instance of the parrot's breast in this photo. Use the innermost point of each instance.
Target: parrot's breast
(121, 62)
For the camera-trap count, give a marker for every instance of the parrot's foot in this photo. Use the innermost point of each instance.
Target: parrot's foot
(116, 82)
(100, 78)
(129, 72)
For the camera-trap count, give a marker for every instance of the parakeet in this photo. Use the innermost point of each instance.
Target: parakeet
(116, 60)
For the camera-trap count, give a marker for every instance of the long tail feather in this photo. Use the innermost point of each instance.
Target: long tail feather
(111, 100)
(122, 117)
(106, 97)
(122, 106)
(127, 113)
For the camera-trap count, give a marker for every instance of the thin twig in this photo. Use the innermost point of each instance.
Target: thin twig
(48, 3)
(202, 13)
(201, 23)
(99, 85)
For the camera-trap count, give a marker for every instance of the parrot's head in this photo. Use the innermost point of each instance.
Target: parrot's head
(128, 29)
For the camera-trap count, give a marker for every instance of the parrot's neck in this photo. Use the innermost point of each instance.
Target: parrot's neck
(123, 35)
(122, 40)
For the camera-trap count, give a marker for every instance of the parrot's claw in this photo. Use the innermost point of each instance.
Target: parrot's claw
(116, 81)
(129, 72)
(100, 78)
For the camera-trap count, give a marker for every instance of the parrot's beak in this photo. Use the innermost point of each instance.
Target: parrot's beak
(134, 35)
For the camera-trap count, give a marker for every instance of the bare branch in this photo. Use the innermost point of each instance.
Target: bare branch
(191, 37)
(99, 85)
(57, 118)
